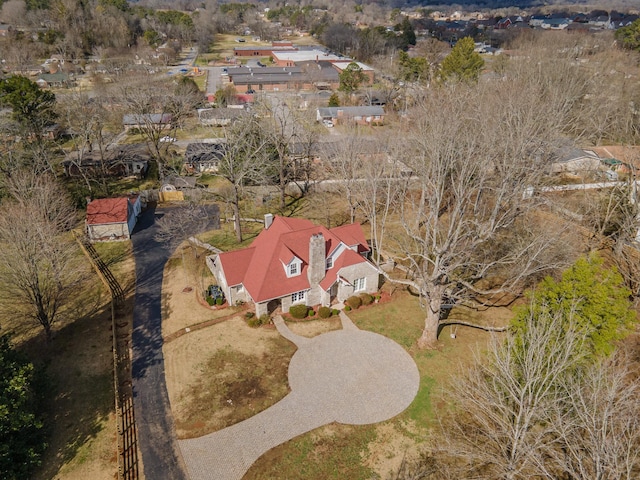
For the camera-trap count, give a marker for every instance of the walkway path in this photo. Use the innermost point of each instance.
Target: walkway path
(348, 376)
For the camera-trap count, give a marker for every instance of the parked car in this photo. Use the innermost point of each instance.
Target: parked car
(167, 139)
(251, 90)
(260, 64)
(327, 123)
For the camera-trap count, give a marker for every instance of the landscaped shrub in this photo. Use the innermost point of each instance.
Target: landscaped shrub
(347, 308)
(312, 313)
(264, 319)
(324, 312)
(335, 312)
(299, 311)
(210, 301)
(219, 301)
(366, 299)
(254, 322)
(354, 302)
(249, 315)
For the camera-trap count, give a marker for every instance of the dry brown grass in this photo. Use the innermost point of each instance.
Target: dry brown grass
(79, 363)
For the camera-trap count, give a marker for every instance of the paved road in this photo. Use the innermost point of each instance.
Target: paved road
(349, 376)
(156, 433)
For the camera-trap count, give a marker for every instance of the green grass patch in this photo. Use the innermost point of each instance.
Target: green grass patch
(225, 238)
(334, 451)
(401, 320)
(112, 253)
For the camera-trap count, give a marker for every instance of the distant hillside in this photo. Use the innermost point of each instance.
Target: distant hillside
(483, 4)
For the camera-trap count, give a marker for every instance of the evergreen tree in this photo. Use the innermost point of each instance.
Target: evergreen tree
(351, 78)
(33, 108)
(629, 36)
(589, 298)
(463, 63)
(334, 100)
(21, 425)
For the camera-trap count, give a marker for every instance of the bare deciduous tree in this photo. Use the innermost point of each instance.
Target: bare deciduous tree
(158, 107)
(39, 265)
(598, 422)
(245, 158)
(467, 221)
(505, 403)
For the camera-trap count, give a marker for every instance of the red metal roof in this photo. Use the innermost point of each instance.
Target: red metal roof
(261, 267)
(107, 210)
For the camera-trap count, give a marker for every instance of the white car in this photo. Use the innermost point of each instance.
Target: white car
(167, 139)
(327, 123)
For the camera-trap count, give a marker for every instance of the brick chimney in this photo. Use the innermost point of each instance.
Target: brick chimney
(317, 259)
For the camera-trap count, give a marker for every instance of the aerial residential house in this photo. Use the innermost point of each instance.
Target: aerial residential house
(367, 115)
(292, 261)
(555, 23)
(575, 160)
(203, 157)
(110, 219)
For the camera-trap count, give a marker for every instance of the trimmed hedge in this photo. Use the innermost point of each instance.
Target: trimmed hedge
(324, 312)
(299, 311)
(249, 315)
(211, 301)
(219, 301)
(312, 313)
(347, 308)
(264, 319)
(366, 299)
(354, 302)
(335, 312)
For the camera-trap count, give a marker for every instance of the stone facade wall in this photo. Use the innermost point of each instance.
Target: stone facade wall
(108, 232)
(366, 270)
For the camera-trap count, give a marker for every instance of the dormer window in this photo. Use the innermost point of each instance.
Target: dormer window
(293, 268)
(329, 263)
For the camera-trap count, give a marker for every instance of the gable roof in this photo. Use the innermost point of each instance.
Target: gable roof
(366, 111)
(108, 210)
(261, 267)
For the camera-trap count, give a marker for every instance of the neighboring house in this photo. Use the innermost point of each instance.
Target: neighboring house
(293, 261)
(555, 23)
(160, 120)
(110, 219)
(126, 161)
(369, 115)
(574, 160)
(57, 80)
(203, 157)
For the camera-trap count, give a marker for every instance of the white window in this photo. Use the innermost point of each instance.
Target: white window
(298, 297)
(293, 269)
(329, 263)
(359, 284)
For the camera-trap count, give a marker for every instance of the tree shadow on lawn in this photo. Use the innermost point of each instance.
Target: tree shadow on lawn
(80, 399)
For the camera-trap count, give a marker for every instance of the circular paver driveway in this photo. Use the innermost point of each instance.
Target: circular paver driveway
(360, 376)
(348, 376)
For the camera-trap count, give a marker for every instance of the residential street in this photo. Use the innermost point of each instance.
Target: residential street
(156, 432)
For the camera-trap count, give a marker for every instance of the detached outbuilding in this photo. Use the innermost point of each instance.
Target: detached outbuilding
(112, 219)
